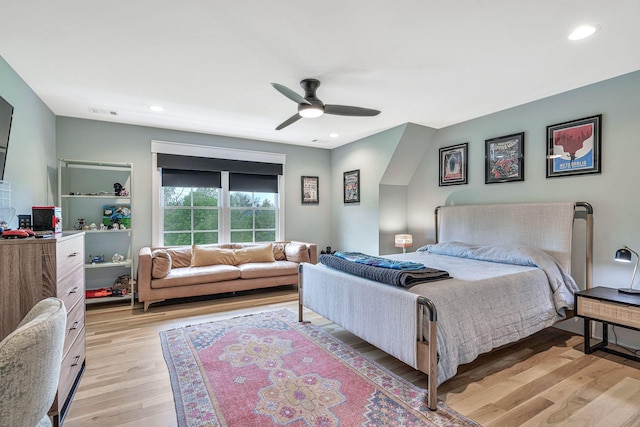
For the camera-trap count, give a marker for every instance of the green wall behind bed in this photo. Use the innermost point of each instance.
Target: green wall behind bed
(613, 193)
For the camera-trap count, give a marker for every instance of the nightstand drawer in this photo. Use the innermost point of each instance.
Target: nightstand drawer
(609, 312)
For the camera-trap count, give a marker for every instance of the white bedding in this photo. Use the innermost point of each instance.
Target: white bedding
(485, 305)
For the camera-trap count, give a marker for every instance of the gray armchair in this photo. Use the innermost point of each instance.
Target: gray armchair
(30, 360)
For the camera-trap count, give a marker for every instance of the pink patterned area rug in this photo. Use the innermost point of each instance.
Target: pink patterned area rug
(268, 369)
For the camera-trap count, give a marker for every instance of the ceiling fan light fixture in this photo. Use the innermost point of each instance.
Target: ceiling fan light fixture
(310, 111)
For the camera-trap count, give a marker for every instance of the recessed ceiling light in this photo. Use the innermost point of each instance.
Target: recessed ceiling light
(333, 135)
(156, 108)
(583, 31)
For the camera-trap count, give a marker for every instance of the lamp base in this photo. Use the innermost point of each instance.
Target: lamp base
(629, 291)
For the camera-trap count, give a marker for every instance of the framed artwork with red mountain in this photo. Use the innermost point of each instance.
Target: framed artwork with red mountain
(574, 147)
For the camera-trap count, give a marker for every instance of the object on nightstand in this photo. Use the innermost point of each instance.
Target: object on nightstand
(624, 255)
(403, 241)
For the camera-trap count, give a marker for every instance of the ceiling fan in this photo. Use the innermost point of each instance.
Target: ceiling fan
(310, 106)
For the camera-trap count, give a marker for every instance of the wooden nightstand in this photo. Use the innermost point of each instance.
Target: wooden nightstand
(608, 306)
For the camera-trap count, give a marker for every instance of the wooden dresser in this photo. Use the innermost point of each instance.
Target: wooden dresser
(33, 269)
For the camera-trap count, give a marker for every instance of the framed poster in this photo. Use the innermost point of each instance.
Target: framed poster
(351, 181)
(309, 190)
(453, 164)
(504, 159)
(574, 147)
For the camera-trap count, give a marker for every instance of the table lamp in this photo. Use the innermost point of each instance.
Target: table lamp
(404, 241)
(624, 255)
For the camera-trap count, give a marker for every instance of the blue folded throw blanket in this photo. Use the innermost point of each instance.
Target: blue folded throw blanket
(390, 276)
(375, 261)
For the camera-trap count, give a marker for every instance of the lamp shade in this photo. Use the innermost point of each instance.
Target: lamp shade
(404, 240)
(623, 255)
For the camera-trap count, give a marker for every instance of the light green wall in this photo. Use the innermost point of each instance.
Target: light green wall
(31, 156)
(81, 139)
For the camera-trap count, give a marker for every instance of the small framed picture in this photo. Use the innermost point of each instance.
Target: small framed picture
(309, 189)
(351, 186)
(573, 148)
(453, 164)
(504, 159)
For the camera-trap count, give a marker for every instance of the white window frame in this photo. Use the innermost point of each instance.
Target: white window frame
(183, 149)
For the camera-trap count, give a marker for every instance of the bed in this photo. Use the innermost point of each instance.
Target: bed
(510, 277)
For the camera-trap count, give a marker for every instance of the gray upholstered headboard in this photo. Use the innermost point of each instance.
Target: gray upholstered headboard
(547, 226)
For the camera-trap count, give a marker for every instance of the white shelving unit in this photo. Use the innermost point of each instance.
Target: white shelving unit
(85, 189)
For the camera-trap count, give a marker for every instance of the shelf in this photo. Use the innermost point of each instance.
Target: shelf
(126, 263)
(124, 298)
(111, 231)
(119, 199)
(85, 188)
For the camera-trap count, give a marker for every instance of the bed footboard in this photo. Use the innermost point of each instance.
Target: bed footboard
(425, 354)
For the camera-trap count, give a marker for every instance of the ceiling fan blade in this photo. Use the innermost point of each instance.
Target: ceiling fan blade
(289, 121)
(346, 110)
(290, 94)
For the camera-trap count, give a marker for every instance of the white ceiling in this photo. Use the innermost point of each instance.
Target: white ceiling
(210, 63)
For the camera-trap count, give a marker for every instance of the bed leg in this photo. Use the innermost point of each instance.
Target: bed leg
(300, 308)
(432, 359)
(433, 367)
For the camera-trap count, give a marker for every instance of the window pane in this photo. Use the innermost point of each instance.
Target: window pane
(205, 197)
(176, 196)
(264, 200)
(265, 236)
(240, 199)
(205, 219)
(177, 219)
(177, 239)
(205, 238)
(265, 219)
(241, 219)
(241, 236)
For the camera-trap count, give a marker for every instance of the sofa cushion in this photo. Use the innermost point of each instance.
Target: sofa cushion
(160, 263)
(211, 255)
(296, 252)
(256, 270)
(185, 276)
(262, 253)
(278, 250)
(180, 256)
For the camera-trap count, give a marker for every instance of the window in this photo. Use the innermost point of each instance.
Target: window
(190, 215)
(253, 216)
(204, 200)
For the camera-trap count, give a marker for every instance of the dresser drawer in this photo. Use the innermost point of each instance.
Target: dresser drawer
(71, 366)
(70, 288)
(75, 324)
(69, 255)
(609, 311)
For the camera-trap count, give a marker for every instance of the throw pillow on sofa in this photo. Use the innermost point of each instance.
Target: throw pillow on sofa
(297, 252)
(262, 253)
(203, 255)
(160, 263)
(278, 250)
(180, 257)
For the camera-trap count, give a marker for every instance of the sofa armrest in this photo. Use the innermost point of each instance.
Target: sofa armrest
(313, 251)
(145, 264)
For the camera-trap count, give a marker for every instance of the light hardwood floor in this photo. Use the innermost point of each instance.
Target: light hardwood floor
(544, 380)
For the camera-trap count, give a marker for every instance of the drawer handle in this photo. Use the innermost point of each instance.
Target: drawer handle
(74, 326)
(73, 254)
(75, 361)
(74, 290)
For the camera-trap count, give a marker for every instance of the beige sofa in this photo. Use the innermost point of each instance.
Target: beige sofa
(186, 271)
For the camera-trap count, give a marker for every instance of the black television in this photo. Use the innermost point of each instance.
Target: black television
(6, 115)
